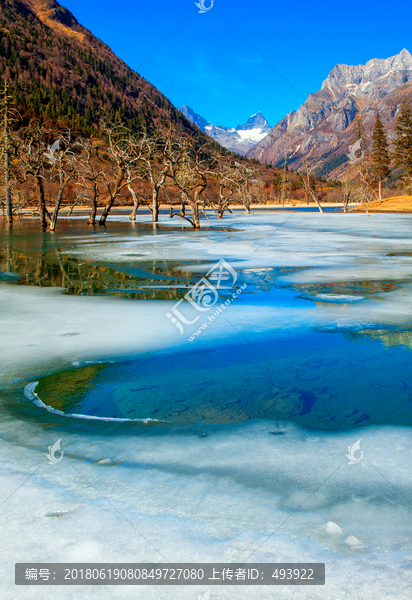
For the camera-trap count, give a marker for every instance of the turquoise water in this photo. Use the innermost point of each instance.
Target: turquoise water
(321, 380)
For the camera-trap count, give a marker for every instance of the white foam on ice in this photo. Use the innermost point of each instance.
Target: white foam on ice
(336, 297)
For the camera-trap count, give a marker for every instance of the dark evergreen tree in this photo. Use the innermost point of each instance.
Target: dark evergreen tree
(380, 159)
(403, 141)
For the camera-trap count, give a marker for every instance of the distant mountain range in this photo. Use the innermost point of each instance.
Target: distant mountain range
(321, 130)
(239, 139)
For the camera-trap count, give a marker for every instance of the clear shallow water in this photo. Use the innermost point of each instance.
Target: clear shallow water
(320, 380)
(260, 408)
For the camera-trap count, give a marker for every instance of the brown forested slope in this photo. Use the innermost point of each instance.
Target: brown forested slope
(59, 70)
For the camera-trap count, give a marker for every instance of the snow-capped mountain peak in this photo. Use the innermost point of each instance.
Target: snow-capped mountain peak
(254, 130)
(256, 121)
(239, 139)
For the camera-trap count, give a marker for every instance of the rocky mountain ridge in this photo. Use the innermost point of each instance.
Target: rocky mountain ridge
(321, 130)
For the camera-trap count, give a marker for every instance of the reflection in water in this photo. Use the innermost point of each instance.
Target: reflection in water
(387, 337)
(29, 257)
(52, 268)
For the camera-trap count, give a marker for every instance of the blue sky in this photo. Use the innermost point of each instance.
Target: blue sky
(218, 62)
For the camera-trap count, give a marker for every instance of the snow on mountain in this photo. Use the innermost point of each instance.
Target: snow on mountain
(252, 135)
(239, 139)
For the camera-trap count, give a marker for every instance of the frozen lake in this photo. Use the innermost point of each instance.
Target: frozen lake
(210, 434)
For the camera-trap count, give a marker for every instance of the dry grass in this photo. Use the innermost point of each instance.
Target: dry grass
(393, 204)
(44, 9)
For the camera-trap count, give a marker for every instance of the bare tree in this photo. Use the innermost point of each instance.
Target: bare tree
(364, 190)
(362, 180)
(310, 187)
(234, 181)
(226, 178)
(34, 152)
(245, 184)
(91, 174)
(247, 181)
(346, 191)
(123, 154)
(133, 194)
(64, 169)
(190, 167)
(155, 164)
(284, 182)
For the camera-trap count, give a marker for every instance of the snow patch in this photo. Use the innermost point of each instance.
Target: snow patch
(252, 135)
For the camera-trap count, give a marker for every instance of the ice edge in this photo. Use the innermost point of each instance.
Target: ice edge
(33, 397)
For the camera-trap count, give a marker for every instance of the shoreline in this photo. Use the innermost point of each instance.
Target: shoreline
(392, 205)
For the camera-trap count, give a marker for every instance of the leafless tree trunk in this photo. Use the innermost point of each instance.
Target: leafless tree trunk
(133, 195)
(346, 202)
(73, 205)
(93, 201)
(113, 193)
(52, 224)
(309, 184)
(183, 209)
(380, 189)
(124, 152)
(154, 165)
(155, 204)
(35, 155)
(91, 175)
(64, 169)
(42, 201)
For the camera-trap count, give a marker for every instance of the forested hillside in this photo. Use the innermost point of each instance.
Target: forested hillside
(59, 70)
